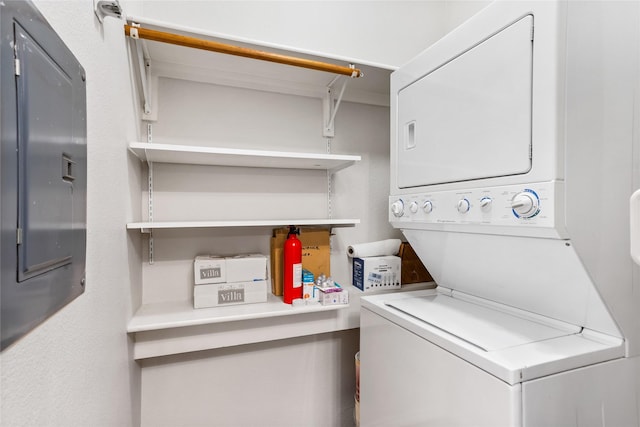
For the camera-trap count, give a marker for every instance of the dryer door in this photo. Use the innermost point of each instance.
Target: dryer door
(470, 118)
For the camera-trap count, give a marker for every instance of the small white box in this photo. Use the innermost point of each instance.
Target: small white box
(309, 290)
(332, 298)
(246, 268)
(209, 269)
(221, 294)
(376, 273)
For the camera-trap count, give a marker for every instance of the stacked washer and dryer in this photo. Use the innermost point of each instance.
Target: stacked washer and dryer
(515, 152)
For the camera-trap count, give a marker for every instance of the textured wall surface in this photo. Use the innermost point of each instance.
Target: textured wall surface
(76, 369)
(381, 31)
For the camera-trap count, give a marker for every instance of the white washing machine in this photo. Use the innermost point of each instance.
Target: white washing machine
(515, 151)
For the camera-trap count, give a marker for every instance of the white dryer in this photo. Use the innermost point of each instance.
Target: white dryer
(515, 151)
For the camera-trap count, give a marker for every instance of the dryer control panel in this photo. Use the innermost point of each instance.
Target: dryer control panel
(498, 210)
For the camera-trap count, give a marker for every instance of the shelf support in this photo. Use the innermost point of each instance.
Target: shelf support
(329, 183)
(150, 194)
(330, 107)
(143, 68)
(329, 195)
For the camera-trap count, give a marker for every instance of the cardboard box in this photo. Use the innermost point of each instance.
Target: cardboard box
(222, 294)
(376, 273)
(316, 254)
(209, 269)
(413, 270)
(246, 268)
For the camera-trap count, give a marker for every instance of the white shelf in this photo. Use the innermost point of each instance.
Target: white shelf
(168, 328)
(217, 156)
(146, 226)
(181, 314)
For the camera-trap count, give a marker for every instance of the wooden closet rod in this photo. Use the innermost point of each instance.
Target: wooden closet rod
(196, 43)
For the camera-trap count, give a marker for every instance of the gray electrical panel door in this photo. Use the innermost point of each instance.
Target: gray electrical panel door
(45, 168)
(43, 157)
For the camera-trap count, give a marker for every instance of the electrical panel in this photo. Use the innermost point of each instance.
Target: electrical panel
(44, 174)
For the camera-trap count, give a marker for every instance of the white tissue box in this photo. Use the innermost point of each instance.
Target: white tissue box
(221, 294)
(241, 268)
(376, 273)
(246, 268)
(209, 269)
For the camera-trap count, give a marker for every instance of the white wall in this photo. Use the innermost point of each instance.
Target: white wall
(306, 382)
(383, 32)
(76, 369)
(367, 30)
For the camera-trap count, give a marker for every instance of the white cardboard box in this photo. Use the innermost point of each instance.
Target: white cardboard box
(221, 294)
(309, 291)
(209, 269)
(246, 268)
(376, 273)
(332, 298)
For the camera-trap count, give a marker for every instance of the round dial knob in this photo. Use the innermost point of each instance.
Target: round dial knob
(525, 204)
(397, 208)
(463, 206)
(485, 204)
(427, 207)
(413, 207)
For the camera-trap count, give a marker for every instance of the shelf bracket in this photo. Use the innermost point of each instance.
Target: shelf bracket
(330, 106)
(150, 210)
(329, 195)
(143, 68)
(150, 195)
(329, 184)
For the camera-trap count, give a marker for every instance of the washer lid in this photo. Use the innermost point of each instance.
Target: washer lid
(485, 327)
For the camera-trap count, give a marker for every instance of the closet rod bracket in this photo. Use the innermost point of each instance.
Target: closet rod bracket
(143, 67)
(330, 106)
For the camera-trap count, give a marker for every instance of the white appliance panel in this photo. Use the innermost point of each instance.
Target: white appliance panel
(408, 381)
(471, 117)
(600, 395)
(489, 210)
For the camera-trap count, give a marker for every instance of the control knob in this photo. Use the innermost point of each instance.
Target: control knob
(485, 204)
(397, 208)
(427, 207)
(413, 207)
(463, 206)
(525, 204)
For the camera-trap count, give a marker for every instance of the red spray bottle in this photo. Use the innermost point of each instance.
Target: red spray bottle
(292, 266)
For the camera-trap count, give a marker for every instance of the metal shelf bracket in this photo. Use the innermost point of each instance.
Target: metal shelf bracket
(330, 105)
(150, 194)
(143, 68)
